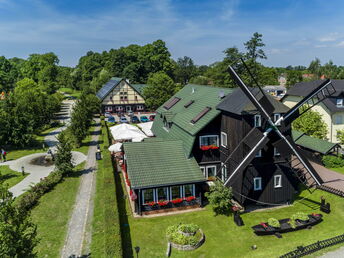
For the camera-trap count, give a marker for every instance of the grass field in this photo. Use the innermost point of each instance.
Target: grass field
(10, 177)
(339, 170)
(72, 92)
(225, 239)
(53, 212)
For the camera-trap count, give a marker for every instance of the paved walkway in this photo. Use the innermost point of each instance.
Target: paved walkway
(331, 178)
(79, 235)
(37, 172)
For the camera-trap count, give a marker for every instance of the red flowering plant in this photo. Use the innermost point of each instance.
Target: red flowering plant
(128, 182)
(263, 225)
(163, 202)
(209, 147)
(151, 203)
(235, 208)
(176, 201)
(190, 198)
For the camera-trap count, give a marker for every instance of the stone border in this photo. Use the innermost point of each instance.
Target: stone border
(187, 233)
(189, 247)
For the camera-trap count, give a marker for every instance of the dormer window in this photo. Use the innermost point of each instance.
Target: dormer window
(339, 103)
(257, 121)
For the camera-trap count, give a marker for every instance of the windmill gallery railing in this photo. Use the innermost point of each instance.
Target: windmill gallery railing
(331, 190)
(309, 249)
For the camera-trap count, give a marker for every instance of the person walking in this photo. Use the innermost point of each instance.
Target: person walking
(3, 154)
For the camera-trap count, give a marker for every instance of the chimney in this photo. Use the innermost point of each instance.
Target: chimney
(221, 94)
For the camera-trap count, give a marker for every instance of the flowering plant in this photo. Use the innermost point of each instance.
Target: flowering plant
(162, 203)
(209, 147)
(128, 182)
(190, 198)
(263, 224)
(178, 200)
(151, 203)
(235, 208)
(315, 214)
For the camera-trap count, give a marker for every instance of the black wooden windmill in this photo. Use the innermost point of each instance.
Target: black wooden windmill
(257, 139)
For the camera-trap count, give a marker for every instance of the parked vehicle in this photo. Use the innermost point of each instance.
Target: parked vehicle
(134, 119)
(130, 113)
(144, 119)
(111, 119)
(151, 117)
(123, 119)
(107, 114)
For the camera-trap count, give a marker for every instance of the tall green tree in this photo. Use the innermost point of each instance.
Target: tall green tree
(63, 160)
(18, 235)
(185, 70)
(312, 124)
(293, 76)
(159, 89)
(315, 67)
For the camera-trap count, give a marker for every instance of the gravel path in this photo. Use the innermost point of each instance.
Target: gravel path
(78, 238)
(37, 172)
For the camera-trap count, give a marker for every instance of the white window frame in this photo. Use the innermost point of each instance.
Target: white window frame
(203, 170)
(259, 124)
(257, 186)
(206, 136)
(139, 107)
(119, 108)
(276, 153)
(276, 117)
(340, 102)
(259, 154)
(338, 119)
(224, 172)
(276, 181)
(143, 196)
(211, 166)
(180, 191)
(223, 139)
(193, 190)
(108, 108)
(157, 195)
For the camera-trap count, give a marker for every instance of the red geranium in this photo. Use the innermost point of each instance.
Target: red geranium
(131, 192)
(151, 203)
(178, 200)
(128, 182)
(209, 147)
(163, 203)
(190, 198)
(264, 225)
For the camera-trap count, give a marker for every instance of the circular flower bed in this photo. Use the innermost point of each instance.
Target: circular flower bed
(185, 236)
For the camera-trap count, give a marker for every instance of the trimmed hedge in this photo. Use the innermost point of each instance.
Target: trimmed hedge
(333, 161)
(106, 234)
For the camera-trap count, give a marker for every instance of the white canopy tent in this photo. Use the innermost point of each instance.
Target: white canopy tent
(127, 132)
(147, 128)
(117, 147)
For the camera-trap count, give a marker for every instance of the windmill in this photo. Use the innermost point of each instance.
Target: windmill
(257, 139)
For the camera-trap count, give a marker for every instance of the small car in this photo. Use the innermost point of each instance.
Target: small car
(134, 119)
(130, 113)
(151, 117)
(144, 119)
(107, 114)
(123, 119)
(111, 119)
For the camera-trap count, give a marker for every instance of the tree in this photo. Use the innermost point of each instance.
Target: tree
(63, 160)
(185, 70)
(293, 77)
(219, 197)
(311, 124)
(340, 136)
(159, 89)
(18, 235)
(315, 67)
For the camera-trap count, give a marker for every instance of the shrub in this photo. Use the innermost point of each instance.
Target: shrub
(274, 222)
(188, 228)
(300, 216)
(173, 234)
(292, 223)
(220, 197)
(333, 161)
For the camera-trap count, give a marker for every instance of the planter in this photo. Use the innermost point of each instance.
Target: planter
(187, 233)
(189, 247)
(264, 229)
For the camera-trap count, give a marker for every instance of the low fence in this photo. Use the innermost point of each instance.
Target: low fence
(309, 249)
(331, 190)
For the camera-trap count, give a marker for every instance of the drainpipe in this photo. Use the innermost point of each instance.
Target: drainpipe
(331, 128)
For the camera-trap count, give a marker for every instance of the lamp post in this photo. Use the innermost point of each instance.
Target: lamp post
(23, 170)
(137, 250)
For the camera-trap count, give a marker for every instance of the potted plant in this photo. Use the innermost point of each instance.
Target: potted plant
(163, 203)
(274, 223)
(300, 216)
(177, 201)
(190, 198)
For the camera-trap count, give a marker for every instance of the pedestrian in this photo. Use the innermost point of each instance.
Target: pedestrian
(3, 154)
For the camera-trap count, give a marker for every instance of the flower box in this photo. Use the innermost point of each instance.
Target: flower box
(190, 198)
(209, 147)
(176, 201)
(163, 203)
(150, 203)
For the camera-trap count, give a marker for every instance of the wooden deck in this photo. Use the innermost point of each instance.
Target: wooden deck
(331, 178)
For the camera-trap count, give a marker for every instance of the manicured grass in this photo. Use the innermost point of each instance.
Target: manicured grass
(225, 239)
(10, 177)
(53, 213)
(106, 237)
(339, 170)
(72, 92)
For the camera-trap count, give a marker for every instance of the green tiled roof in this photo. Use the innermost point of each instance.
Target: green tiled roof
(182, 128)
(312, 143)
(159, 163)
(139, 87)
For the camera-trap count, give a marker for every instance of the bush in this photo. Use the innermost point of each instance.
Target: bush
(274, 223)
(300, 216)
(333, 161)
(173, 234)
(220, 197)
(188, 228)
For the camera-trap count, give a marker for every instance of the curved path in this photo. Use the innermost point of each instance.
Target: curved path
(37, 172)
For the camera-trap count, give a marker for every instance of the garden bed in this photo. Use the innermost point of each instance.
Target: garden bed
(185, 237)
(170, 209)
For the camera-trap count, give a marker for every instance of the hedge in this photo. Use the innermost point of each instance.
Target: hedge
(106, 232)
(333, 161)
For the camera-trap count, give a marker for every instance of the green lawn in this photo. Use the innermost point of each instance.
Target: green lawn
(339, 170)
(225, 239)
(10, 177)
(72, 92)
(52, 215)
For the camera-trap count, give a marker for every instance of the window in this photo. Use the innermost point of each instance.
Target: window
(162, 194)
(125, 97)
(121, 97)
(257, 183)
(223, 172)
(278, 181)
(147, 196)
(189, 190)
(139, 107)
(108, 108)
(200, 115)
(175, 192)
(211, 171)
(203, 170)
(339, 102)
(276, 152)
(119, 108)
(257, 121)
(338, 119)
(276, 117)
(189, 103)
(171, 103)
(207, 140)
(223, 139)
(136, 98)
(259, 154)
